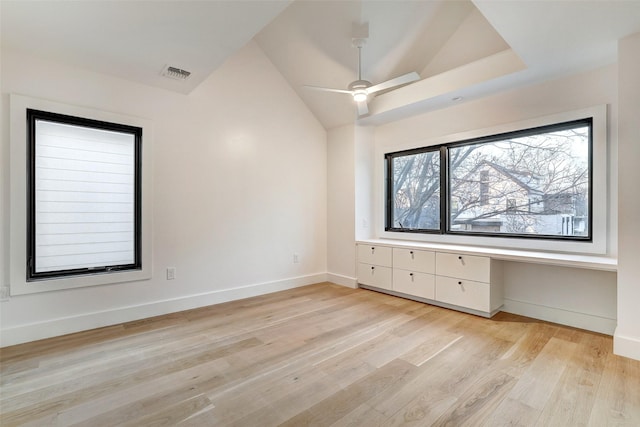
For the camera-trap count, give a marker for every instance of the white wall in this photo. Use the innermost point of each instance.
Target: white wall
(577, 297)
(341, 251)
(581, 298)
(365, 195)
(240, 179)
(627, 336)
(349, 212)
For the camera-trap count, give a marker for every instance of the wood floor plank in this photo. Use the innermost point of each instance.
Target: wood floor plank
(419, 391)
(119, 360)
(477, 402)
(171, 415)
(321, 355)
(346, 400)
(535, 387)
(424, 407)
(617, 400)
(512, 412)
(292, 401)
(78, 407)
(363, 415)
(573, 397)
(75, 390)
(434, 344)
(436, 386)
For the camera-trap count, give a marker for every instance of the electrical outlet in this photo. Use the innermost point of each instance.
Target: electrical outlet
(295, 259)
(4, 293)
(171, 273)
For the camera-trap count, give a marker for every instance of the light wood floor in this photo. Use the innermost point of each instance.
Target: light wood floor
(322, 355)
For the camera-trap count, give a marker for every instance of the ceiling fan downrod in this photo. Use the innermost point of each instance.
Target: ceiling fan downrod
(359, 86)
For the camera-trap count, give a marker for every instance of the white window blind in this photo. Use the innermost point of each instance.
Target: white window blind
(84, 197)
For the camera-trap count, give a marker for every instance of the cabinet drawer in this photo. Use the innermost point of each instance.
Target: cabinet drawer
(374, 275)
(465, 293)
(375, 255)
(414, 283)
(468, 267)
(414, 260)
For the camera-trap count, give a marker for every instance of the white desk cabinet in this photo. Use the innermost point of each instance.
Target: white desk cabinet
(375, 255)
(374, 266)
(413, 272)
(375, 275)
(460, 266)
(469, 283)
(414, 260)
(414, 283)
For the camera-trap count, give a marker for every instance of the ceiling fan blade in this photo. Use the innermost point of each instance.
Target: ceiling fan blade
(326, 89)
(404, 79)
(363, 108)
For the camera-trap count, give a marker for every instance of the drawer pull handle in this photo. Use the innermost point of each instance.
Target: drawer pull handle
(372, 250)
(373, 268)
(411, 252)
(459, 283)
(461, 260)
(461, 286)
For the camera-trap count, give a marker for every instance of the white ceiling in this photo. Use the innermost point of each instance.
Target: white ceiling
(460, 48)
(134, 40)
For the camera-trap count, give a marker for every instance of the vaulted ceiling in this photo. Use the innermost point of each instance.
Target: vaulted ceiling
(461, 49)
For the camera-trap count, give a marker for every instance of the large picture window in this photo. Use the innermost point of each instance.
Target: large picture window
(84, 196)
(528, 183)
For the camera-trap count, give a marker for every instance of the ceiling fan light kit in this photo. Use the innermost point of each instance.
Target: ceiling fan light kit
(361, 89)
(360, 95)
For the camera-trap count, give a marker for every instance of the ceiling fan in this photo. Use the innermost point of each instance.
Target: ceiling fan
(361, 89)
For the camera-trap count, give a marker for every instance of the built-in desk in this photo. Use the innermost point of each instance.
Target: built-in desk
(464, 278)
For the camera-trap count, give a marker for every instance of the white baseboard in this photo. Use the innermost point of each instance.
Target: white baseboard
(586, 321)
(339, 279)
(626, 346)
(66, 325)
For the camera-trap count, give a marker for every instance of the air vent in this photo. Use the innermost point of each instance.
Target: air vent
(175, 73)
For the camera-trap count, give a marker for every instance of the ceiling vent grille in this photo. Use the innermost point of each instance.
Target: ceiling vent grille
(175, 73)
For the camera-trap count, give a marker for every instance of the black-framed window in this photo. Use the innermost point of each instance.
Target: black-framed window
(531, 183)
(414, 190)
(83, 196)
